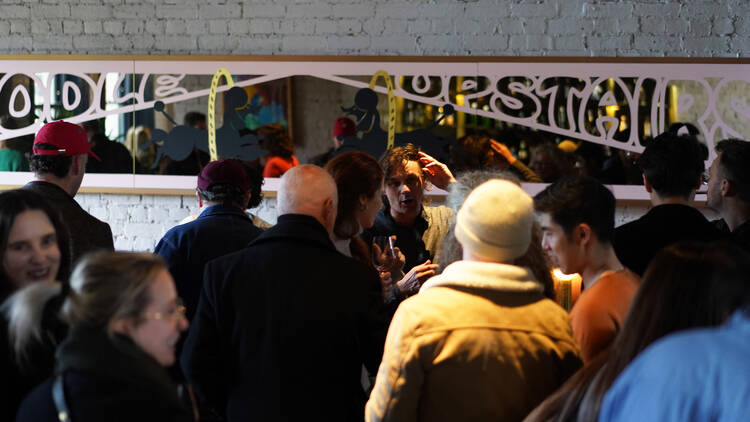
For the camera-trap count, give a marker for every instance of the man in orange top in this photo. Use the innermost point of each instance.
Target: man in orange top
(577, 220)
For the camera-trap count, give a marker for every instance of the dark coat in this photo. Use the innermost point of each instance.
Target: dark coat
(106, 378)
(219, 230)
(283, 328)
(87, 233)
(21, 376)
(638, 241)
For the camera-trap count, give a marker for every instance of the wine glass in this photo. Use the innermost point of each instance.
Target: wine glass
(382, 252)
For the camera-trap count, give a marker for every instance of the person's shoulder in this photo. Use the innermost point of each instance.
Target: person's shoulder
(631, 226)
(440, 212)
(175, 233)
(38, 404)
(616, 280)
(673, 353)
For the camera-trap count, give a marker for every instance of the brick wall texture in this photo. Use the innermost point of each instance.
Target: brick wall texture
(378, 27)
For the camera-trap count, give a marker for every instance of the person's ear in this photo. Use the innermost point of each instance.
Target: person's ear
(198, 197)
(727, 188)
(646, 183)
(362, 202)
(582, 234)
(329, 212)
(246, 200)
(121, 326)
(76, 166)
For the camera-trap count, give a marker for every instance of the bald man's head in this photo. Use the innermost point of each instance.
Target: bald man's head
(308, 190)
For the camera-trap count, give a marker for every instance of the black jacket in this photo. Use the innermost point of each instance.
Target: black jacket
(638, 241)
(21, 376)
(217, 231)
(283, 328)
(87, 233)
(106, 378)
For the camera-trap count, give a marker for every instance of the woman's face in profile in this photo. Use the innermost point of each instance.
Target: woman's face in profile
(163, 321)
(31, 253)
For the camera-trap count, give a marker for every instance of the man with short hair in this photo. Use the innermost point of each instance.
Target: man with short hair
(58, 160)
(729, 188)
(223, 193)
(672, 171)
(578, 221)
(284, 325)
(480, 342)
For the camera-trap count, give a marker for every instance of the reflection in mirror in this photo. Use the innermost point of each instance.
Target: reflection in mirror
(584, 118)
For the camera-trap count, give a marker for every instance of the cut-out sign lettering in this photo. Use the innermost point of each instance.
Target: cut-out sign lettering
(559, 97)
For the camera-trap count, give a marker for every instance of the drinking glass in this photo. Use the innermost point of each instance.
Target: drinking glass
(382, 252)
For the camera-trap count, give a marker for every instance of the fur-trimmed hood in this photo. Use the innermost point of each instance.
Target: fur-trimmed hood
(486, 275)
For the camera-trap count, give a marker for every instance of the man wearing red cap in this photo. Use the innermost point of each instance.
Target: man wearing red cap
(223, 194)
(58, 160)
(342, 129)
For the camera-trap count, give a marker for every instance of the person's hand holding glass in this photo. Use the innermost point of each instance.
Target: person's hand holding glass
(389, 261)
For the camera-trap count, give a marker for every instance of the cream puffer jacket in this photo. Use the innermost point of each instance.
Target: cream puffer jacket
(478, 343)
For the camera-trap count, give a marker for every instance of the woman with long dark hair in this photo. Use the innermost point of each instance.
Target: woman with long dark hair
(34, 268)
(686, 285)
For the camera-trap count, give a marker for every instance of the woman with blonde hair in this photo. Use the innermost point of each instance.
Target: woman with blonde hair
(125, 319)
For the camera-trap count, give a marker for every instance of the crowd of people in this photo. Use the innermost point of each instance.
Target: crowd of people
(363, 302)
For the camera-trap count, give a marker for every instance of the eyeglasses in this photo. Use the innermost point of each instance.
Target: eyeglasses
(173, 314)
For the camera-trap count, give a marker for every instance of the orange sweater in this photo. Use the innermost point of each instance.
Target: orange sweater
(276, 166)
(601, 309)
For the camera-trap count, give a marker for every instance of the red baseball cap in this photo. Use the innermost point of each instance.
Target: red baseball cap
(224, 171)
(70, 139)
(344, 126)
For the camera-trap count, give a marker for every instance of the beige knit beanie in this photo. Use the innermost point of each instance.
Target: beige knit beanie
(495, 221)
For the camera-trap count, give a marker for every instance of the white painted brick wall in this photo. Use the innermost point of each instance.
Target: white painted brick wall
(139, 221)
(385, 27)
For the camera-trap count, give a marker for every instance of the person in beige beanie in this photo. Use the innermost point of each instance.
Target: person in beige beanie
(479, 342)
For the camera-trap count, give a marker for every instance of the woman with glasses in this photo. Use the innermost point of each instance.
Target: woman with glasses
(125, 319)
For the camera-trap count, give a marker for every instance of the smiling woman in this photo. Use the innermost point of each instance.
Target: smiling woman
(33, 242)
(34, 263)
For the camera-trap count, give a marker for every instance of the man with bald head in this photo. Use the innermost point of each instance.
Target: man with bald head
(284, 326)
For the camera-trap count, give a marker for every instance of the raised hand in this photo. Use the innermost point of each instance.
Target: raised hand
(436, 172)
(502, 150)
